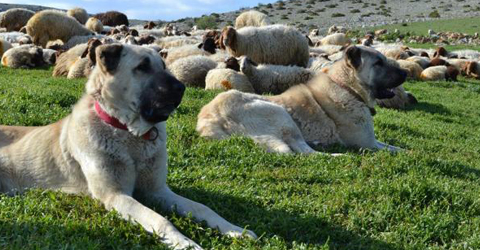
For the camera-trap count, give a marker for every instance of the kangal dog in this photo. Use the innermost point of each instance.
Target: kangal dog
(112, 145)
(333, 108)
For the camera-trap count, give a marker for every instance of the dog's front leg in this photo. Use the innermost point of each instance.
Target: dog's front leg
(172, 201)
(112, 189)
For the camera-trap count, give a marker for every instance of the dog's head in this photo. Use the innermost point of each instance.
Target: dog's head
(132, 84)
(375, 73)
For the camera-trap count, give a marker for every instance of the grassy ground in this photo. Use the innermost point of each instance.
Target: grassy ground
(468, 25)
(426, 197)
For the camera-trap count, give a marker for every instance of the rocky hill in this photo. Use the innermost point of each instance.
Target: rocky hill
(309, 14)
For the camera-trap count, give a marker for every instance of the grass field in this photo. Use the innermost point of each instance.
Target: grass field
(468, 25)
(426, 197)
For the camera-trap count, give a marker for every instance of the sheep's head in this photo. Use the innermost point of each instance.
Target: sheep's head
(228, 38)
(441, 51)
(232, 63)
(208, 45)
(246, 65)
(92, 44)
(452, 73)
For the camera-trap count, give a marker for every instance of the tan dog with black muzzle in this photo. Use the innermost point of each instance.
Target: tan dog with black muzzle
(112, 145)
(333, 108)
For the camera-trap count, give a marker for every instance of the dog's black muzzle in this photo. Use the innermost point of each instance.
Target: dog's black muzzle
(397, 77)
(160, 98)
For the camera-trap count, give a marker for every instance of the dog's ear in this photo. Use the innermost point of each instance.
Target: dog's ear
(108, 57)
(353, 57)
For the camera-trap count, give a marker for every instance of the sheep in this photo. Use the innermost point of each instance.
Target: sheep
(49, 56)
(226, 79)
(150, 25)
(83, 66)
(67, 59)
(273, 44)
(24, 56)
(79, 14)
(192, 70)
(368, 41)
(252, 18)
(424, 62)
(184, 51)
(49, 25)
(335, 39)
(112, 18)
(14, 19)
(440, 73)
(471, 69)
(437, 62)
(4, 46)
(401, 99)
(394, 53)
(94, 25)
(336, 29)
(327, 49)
(274, 79)
(414, 70)
(176, 41)
(76, 40)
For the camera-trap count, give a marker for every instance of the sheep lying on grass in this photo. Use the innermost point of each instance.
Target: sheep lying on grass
(274, 79)
(192, 70)
(48, 25)
(440, 73)
(273, 44)
(24, 57)
(4, 46)
(226, 79)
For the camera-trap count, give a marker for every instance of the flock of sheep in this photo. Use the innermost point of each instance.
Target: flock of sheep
(255, 56)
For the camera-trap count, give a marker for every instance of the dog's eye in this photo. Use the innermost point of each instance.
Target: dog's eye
(144, 65)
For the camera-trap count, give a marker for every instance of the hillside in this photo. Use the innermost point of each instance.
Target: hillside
(309, 14)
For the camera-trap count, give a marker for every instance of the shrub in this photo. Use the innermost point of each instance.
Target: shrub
(206, 22)
(434, 14)
(355, 11)
(337, 15)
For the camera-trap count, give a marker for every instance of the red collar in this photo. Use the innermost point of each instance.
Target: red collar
(151, 135)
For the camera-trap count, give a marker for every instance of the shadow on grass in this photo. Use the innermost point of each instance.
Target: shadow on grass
(456, 169)
(431, 108)
(290, 226)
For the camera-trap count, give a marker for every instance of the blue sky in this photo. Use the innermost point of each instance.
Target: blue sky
(149, 9)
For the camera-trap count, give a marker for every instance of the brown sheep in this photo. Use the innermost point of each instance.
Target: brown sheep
(471, 69)
(112, 18)
(150, 25)
(452, 73)
(437, 62)
(440, 51)
(14, 19)
(232, 63)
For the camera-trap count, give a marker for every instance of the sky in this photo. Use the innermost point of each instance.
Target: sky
(152, 10)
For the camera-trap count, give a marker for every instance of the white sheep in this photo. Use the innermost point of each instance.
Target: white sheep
(50, 25)
(226, 79)
(176, 41)
(15, 37)
(273, 44)
(4, 46)
(274, 79)
(192, 70)
(335, 39)
(440, 73)
(326, 49)
(424, 62)
(252, 18)
(94, 24)
(79, 14)
(14, 19)
(24, 56)
(76, 40)
(401, 99)
(176, 53)
(336, 29)
(414, 70)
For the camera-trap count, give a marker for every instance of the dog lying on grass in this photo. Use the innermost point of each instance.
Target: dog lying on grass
(112, 145)
(333, 108)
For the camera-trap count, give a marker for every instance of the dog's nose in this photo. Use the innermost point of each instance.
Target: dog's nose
(176, 86)
(153, 115)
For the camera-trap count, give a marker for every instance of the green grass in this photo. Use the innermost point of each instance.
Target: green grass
(468, 25)
(425, 197)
